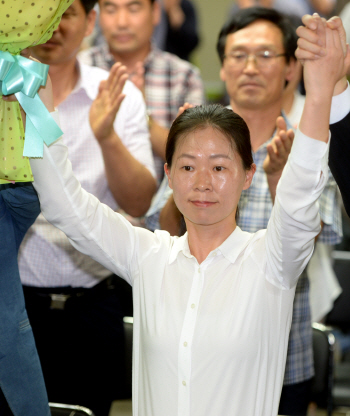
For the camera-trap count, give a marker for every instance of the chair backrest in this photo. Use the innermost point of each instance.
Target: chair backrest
(323, 348)
(60, 409)
(340, 314)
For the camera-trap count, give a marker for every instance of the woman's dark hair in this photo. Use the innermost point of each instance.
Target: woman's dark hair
(244, 17)
(230, 124)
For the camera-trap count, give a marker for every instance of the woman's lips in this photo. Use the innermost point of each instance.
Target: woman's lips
(203, 204)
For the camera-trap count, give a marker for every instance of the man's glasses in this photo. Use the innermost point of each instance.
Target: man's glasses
(262, 59)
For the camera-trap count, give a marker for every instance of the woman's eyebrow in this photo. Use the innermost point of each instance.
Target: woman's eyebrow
(220, 155)
(186, 155)
(215, 156)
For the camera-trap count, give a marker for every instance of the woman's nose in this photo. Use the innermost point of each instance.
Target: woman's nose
(203, 181)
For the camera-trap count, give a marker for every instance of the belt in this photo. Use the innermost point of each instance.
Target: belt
(57, 297)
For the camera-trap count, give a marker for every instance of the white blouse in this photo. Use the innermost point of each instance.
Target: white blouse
(211, 338)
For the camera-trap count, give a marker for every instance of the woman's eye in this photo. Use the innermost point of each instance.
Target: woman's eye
(219, 168)
(187, 168)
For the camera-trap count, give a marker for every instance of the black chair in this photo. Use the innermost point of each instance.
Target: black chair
(60, 409)
(323, 348)
(339, 317)
(128, 329)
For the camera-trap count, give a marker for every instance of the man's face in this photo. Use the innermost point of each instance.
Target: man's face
(66, 39)
(128, 24)
(249, 85)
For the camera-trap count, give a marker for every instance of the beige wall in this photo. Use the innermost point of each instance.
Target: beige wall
(211, 15)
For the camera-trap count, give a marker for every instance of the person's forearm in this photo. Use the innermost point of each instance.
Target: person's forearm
(130, 182)
(176, 16)
(340, 86)
(158, 136)
(170, 217)
(272, 181)
(93, 228)
(324, 7)
(250, 3)
(314, 121)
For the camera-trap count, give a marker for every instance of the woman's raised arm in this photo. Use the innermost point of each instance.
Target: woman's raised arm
(295, 221)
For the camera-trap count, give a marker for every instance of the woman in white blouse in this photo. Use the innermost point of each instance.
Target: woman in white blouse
(212, 309)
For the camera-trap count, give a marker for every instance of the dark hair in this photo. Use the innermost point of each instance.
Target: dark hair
(88, 5)
(230, 124)
(245, 17)
(152, 1)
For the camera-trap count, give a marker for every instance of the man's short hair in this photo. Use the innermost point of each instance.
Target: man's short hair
(88, 5)
(244, 17)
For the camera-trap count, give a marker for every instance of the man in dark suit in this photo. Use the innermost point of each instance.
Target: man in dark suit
(309, 47)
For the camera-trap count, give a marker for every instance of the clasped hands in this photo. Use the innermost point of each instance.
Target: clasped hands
(313, 37)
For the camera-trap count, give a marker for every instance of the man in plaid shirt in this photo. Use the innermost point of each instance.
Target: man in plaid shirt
(256, 48)
(166, 81)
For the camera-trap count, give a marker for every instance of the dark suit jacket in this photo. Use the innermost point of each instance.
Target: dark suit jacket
(339, 160)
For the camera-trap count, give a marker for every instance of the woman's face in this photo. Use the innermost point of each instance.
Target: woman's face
(207, 178)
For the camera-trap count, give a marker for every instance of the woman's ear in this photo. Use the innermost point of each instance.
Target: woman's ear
(167, 172)
(249, 176)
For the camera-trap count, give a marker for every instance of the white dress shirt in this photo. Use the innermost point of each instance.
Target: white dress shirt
(46, 258)
(211, 338)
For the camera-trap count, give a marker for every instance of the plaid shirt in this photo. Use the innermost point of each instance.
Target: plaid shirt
(169, 83)
(255, 207)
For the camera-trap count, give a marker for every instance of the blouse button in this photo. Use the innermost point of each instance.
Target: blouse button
(199, 270)
(184, 383)
(185, 344)
(193, 306)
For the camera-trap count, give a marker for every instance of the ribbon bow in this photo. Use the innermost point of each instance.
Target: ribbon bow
(23, 77)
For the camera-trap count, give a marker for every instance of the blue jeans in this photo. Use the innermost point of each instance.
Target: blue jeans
(21, 378)
(19, 207)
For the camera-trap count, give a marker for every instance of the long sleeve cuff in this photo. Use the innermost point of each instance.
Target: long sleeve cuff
(340, 106)
(310, 153)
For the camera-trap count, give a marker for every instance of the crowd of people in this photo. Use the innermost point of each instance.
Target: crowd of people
(204, 222)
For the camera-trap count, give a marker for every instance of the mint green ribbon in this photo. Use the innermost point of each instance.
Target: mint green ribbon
(23, 77)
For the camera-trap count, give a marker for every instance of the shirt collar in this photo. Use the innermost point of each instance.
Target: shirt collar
(231, 248)
(151, 56)
(103, 51)
(180, 245)
(110, 60)
(90, 88)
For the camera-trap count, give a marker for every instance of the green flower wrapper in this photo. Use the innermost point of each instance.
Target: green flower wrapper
(24, 23)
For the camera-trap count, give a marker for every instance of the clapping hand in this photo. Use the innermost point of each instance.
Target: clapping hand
(105, 107)
(279, 148)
